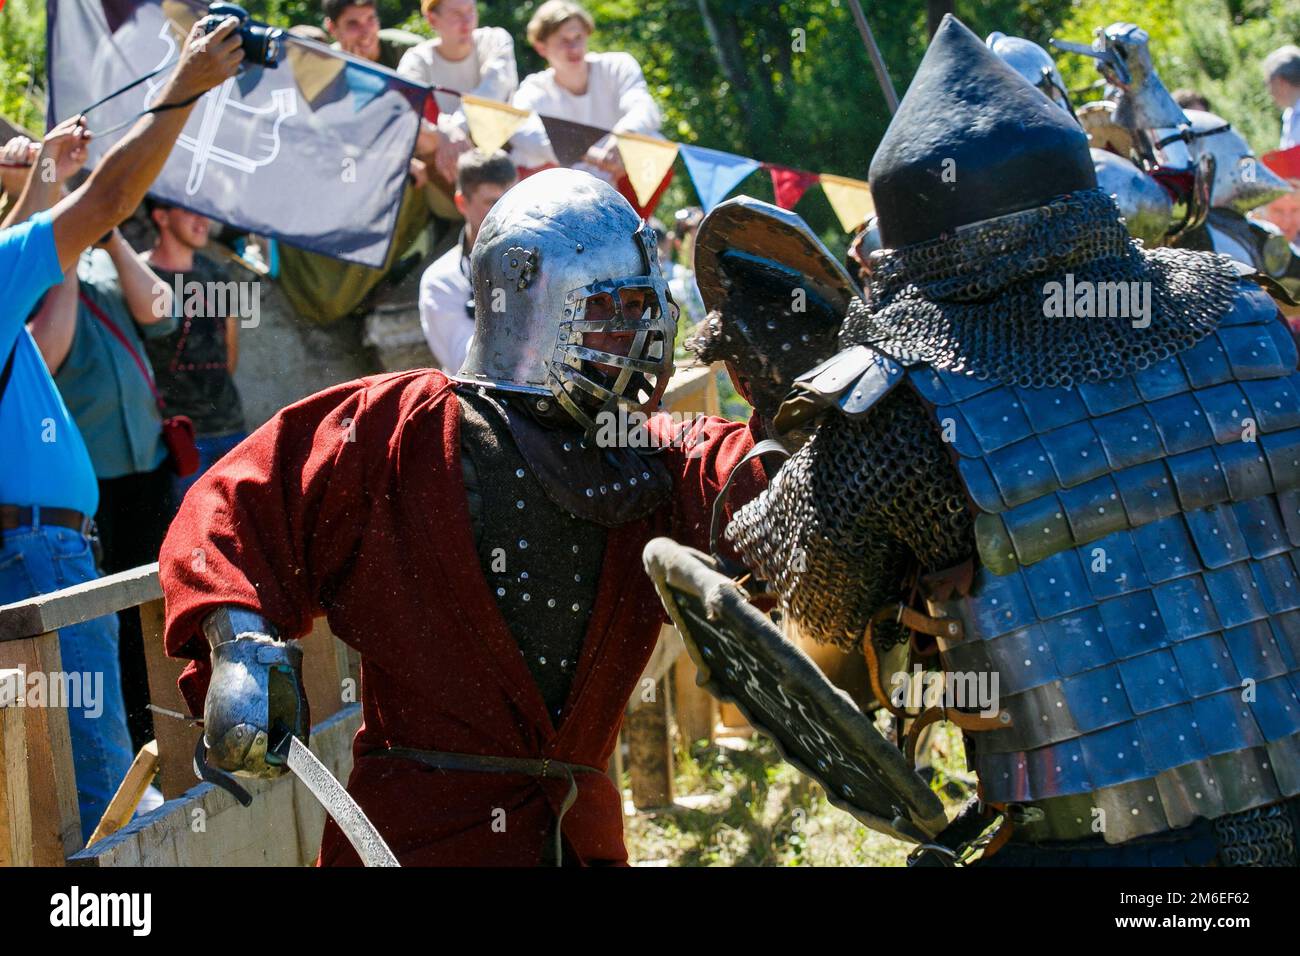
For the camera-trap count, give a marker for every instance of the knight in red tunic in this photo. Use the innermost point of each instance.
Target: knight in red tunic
(477, 539)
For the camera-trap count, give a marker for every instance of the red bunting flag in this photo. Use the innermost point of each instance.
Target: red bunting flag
(1284, 162)
(790, 184)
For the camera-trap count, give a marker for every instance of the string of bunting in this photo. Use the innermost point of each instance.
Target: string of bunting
(649, 160)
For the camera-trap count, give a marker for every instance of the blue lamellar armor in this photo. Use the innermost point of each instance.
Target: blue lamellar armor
(1137, 591)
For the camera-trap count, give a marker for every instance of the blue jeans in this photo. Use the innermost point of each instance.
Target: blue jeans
(38, 560)
(211, 450)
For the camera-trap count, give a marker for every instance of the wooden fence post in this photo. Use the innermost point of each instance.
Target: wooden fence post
(650, 750)
(51, 781)
(176, 737)
(15, 809)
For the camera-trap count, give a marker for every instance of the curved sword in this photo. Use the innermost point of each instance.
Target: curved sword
(338, 803)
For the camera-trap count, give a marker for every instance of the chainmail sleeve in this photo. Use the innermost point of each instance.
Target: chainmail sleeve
(850, 518)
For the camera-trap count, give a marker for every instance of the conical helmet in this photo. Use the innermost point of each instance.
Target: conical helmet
(569, 301)
(971, 141)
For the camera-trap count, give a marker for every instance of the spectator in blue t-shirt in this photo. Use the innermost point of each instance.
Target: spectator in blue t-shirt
(91, 332)
(47, 481)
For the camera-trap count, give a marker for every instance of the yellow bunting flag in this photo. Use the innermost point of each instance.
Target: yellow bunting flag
(850, 198)
(647, 161)
(313, 70)
(491, 122)
(182, 16)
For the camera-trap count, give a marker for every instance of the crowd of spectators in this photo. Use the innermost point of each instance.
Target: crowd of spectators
(81, 439)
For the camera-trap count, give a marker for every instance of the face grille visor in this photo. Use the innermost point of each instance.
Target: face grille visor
(615, 348)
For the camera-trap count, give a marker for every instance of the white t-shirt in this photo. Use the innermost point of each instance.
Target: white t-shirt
(617, 99)
(1291, 126)
(488, 71)
(444, 290)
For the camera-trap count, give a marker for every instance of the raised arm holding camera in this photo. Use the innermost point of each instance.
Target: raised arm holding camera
(45, 506)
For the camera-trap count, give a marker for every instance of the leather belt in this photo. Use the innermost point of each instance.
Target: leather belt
(542, 767)
(18, 516)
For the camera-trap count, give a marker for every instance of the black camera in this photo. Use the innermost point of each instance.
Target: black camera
(263, 44)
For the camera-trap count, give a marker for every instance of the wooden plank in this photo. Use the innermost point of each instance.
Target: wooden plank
(15, 809)
(321, 677)
(695, 708)
(667, 649)
(615, 770)
(176, 737)
(121, 808)
(207, 827)
(51, 782)
(650, 751)
(81, 602)
(689, 389)
(331, 742)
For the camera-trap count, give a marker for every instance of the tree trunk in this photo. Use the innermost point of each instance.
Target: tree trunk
(758, 107)
(934, 11)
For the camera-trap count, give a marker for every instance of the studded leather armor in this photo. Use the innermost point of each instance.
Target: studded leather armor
(541, 563)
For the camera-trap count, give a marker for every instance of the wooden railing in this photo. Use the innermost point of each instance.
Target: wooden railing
(201, 825)
(39, 821)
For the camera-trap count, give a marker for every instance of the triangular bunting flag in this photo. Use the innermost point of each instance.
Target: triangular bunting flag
(647, 161)
(431, 108)
(182, 15)
(850, 198)
(365, 85)
(116, 12)
(715, 173)
(1284, 162)
(790, 184)
(491, 122)
(569, 140)
(313, 70)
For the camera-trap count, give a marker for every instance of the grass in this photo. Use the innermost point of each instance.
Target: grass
(743, 806)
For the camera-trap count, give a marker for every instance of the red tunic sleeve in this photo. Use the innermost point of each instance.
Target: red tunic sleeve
(271, 526)
(700, 463)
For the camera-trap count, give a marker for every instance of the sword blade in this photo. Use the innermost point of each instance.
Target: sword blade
(338, 803)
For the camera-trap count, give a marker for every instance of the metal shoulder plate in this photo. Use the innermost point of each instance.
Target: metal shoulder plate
(852, 381)
(743, 659)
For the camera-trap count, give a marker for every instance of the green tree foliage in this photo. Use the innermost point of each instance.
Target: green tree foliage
(22, 63)
(1213, 46)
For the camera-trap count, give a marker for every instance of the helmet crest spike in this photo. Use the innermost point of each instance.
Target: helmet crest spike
(971, 141)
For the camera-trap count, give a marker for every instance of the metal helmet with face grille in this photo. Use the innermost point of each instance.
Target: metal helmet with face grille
(549, 246)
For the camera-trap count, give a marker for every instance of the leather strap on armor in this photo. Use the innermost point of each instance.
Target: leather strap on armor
(964, 720)
(913, 620)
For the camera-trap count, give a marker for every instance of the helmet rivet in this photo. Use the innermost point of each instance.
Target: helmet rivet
(581, 248)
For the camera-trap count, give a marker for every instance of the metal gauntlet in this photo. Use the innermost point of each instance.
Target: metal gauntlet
(256, 694)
